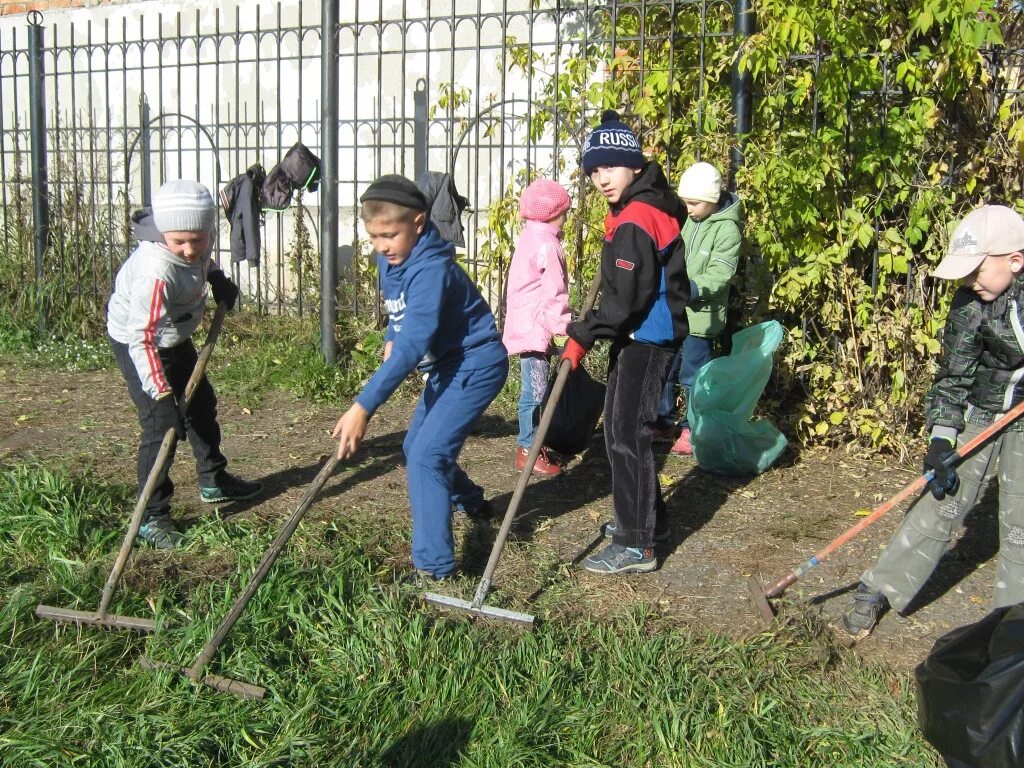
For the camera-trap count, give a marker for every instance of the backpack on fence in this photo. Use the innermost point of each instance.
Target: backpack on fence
(298, 169)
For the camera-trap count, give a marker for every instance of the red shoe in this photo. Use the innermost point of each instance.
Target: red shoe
(682, 446)
(544, 466)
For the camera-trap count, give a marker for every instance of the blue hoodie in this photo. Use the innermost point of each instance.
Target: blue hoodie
(437, 319)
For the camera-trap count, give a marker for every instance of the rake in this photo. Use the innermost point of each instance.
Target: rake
(227, 684)
(761, 597)
(101, 617)
(476, 606)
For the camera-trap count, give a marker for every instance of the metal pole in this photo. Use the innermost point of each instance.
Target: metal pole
(419, 135)
(37, 124)
(742, 87)
(329, 180)
(147, 152)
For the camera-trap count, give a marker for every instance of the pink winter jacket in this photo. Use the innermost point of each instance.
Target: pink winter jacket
(537, 305)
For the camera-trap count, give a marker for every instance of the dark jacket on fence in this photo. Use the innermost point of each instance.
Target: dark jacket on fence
(241, 202)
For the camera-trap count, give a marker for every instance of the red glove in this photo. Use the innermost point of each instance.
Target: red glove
(573, 352)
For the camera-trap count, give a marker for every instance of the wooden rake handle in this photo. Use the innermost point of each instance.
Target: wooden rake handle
(169, 442)
(564, 368)
(911, 490)
(195, 672)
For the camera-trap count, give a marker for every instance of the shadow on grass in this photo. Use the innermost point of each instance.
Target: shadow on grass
(690, 504)
(429, 745)
(377, 456)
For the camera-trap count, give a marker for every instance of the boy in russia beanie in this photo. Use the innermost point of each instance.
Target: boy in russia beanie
(613, 144)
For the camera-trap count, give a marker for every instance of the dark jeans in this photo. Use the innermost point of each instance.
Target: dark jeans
(636, 377)
(691, 357)
(201, 425)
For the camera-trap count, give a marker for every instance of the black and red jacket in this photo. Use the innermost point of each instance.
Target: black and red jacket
(644, 286)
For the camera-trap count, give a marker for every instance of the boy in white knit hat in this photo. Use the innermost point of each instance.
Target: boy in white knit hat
(157, 304)
(712, 235)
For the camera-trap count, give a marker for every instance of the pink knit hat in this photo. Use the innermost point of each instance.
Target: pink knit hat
(543, 200)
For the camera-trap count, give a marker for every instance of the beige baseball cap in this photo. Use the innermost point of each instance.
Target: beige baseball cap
(990, 230)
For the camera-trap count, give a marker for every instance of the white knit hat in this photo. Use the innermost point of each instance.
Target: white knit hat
(183, 206)
(701, 182)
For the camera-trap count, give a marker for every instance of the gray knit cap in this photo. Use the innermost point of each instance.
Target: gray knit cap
(183, 206)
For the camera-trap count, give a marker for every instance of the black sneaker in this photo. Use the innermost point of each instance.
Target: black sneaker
(160, 532)
(485, 511)
(865, 610)
(229, 488)
(660, 537)
(616, 558)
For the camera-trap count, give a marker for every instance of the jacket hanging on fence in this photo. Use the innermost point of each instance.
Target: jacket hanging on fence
(240, 199)
(298, 169)
(445, 205)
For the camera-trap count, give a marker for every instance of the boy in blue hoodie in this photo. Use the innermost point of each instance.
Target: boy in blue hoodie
(439, 323)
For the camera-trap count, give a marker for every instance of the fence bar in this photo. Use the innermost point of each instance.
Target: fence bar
(420, 128)
(329, 176)
(37, 125)
(742, 87)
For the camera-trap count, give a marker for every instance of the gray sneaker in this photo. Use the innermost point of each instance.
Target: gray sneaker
(865, 610)
(160, 531)
(229, 488)
(616, 558)
(660, 537)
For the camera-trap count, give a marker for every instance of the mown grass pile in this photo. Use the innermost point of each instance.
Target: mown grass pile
(360, 673)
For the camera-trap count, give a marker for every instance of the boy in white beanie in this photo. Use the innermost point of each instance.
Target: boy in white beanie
(157, 304)
(980, 377)
(712, 235)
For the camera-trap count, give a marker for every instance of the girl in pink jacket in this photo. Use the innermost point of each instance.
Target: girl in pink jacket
(537, 306)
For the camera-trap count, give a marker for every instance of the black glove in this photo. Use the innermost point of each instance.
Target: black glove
(945, 479)
(224, 290)
(167, 416)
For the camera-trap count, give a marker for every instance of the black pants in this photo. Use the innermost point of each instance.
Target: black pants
(636, 378)
(200, 423)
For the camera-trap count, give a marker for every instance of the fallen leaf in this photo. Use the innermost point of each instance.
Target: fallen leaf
(23, 417)
(593, 515)
(666, 480)
(862, 512)
(978, 600)
(247, 412)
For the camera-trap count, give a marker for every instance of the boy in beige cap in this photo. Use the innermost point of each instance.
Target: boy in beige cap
(980, 377)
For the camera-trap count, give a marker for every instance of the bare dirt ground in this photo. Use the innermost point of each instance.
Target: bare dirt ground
(723, 529)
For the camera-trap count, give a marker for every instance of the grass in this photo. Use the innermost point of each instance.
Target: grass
(361, 674)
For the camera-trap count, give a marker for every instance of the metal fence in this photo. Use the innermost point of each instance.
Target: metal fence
(113, 107)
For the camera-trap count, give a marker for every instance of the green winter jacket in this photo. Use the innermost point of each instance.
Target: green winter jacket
(712, 254)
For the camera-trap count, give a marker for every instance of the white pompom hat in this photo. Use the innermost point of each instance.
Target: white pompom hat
(701, 182)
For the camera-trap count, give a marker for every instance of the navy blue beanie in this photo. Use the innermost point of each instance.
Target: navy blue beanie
(613, 144)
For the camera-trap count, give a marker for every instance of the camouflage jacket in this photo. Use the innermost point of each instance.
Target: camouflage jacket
(982, 359)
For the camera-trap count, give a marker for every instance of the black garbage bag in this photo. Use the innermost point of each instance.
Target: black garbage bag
(576, 413)
(970, 692)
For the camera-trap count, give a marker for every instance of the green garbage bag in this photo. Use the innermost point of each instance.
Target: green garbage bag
(721, 404)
